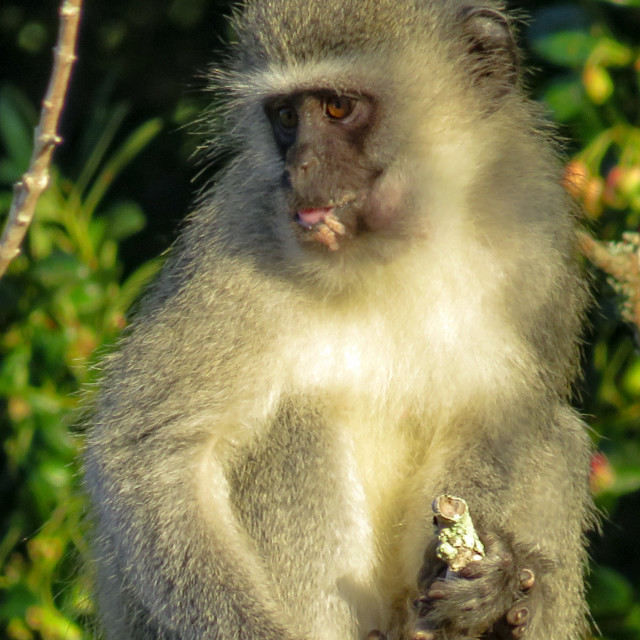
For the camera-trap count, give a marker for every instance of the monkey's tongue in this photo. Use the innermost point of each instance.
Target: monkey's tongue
(310, 217)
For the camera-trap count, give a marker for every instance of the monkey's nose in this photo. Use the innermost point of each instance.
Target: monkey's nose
(308, 164)
(303, 172)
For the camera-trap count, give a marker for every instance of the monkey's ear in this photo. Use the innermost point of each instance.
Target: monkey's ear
(491, 47)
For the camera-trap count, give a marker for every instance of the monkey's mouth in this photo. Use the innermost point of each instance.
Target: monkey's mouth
(309, 218)
(325, 225)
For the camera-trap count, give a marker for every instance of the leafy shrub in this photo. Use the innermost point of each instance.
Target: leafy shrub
(61, 300)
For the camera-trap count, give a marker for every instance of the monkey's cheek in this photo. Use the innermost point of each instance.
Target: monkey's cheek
(385, 204)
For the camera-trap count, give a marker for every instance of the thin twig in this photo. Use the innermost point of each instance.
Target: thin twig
(32, 184)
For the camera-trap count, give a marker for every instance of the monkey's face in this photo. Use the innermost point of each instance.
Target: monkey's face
(331, 184)
(381, 140)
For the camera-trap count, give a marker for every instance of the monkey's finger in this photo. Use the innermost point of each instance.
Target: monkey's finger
(335, 225)
(437, 592)
(527, 579)
(326, 236)
(423, 635)
(473, 570)
(518, 617)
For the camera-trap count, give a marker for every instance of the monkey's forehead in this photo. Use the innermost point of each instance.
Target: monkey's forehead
(342, 74)
(282, 31)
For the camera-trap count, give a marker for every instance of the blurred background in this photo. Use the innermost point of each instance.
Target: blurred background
(124, 179)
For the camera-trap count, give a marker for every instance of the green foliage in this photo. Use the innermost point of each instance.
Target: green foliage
(61, 300)
(67, 295)
(593, 89)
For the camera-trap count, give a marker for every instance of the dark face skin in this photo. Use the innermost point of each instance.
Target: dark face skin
(327, 178)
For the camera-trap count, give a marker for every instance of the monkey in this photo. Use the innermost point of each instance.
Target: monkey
(376, 302)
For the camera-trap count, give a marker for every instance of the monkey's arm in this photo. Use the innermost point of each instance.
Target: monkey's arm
(530, 511)
(174, 546)
(177, 403)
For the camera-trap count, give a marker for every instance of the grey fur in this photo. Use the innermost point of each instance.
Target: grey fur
(268, 438)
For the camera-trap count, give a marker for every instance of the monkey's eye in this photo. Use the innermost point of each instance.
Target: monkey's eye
(339, 107)
(287, 117)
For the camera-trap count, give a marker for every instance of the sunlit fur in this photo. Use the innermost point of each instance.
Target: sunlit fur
(270, 436)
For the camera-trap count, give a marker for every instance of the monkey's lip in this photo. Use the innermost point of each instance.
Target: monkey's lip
(309, 218)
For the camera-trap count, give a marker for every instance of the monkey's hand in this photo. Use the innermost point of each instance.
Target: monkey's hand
(494, 598)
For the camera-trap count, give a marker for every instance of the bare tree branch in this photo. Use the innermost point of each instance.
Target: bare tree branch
(621, 261)
(29, 188)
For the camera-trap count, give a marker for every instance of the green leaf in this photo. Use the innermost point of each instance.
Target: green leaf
(610, 593)
(560, 34)
(597, 83)
(99, 147)
(631, 379)
(566, 48)
(632, 621)
(60, 269)
(86, 297)
(123, 220)
(627, 479)
(14, 372)
(565, 97)
(625, 461)
(16, 601)
(16, 134)
(131, 147)
(56, 473)
(97, 229)
(55, 626)
(611, 53)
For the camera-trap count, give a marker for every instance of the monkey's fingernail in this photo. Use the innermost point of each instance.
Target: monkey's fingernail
(472, 570)
(436, 594)
(375, 635)
(527, 579)
(423, 635)
(518, 632)
(518, 616)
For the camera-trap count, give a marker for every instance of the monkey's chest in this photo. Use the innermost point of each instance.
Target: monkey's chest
(322, 507)
(317, 465)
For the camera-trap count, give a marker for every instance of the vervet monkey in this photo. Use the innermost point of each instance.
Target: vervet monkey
(376, 304)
